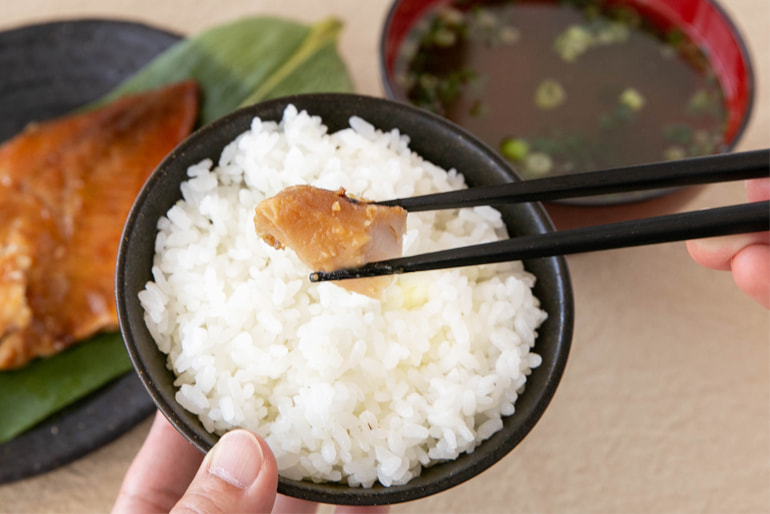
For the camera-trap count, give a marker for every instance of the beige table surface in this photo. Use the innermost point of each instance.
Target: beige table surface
(665, 403)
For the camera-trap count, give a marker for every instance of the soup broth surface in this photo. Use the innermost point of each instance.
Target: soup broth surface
(564, 87)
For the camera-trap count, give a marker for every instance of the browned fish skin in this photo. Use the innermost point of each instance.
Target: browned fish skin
(328, 231)
(66, 187)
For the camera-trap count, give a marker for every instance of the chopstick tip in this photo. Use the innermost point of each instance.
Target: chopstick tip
(318, 276)
(372, 269)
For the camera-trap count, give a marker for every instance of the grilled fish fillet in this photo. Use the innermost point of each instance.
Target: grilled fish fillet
(328, 231)
(66, 187)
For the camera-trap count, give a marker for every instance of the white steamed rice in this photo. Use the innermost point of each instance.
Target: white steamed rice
(343, 387)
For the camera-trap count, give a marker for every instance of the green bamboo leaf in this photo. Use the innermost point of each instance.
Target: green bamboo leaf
(246, 61)
(313, 67)
(34, 392)
(235, 64)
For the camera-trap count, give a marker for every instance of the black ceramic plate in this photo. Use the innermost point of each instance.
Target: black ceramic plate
(48, 70)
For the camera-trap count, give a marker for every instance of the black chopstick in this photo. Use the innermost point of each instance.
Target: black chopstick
(736, 219)
(661, 175)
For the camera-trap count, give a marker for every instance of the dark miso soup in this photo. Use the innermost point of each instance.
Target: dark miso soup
(564, 86)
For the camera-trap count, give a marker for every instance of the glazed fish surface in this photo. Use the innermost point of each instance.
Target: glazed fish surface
(66, 186)
(329, 230)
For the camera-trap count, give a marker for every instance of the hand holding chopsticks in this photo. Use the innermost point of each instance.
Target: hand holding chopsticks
(751, 217)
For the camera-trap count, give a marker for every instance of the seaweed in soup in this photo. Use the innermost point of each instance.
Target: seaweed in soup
(567, 86)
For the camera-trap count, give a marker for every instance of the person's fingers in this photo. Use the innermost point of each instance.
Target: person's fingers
(239, 474)
(718, 252)
(160, 472)
(758, 189)
(747, 256)
(751, 269)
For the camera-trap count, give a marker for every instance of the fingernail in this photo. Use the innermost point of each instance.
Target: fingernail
(237, 459)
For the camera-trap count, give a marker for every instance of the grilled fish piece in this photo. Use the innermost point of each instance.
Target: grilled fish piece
(329, 230)
(66, 186)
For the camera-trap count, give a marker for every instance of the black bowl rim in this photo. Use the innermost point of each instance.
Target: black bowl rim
(600, 201)
(340, 493)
